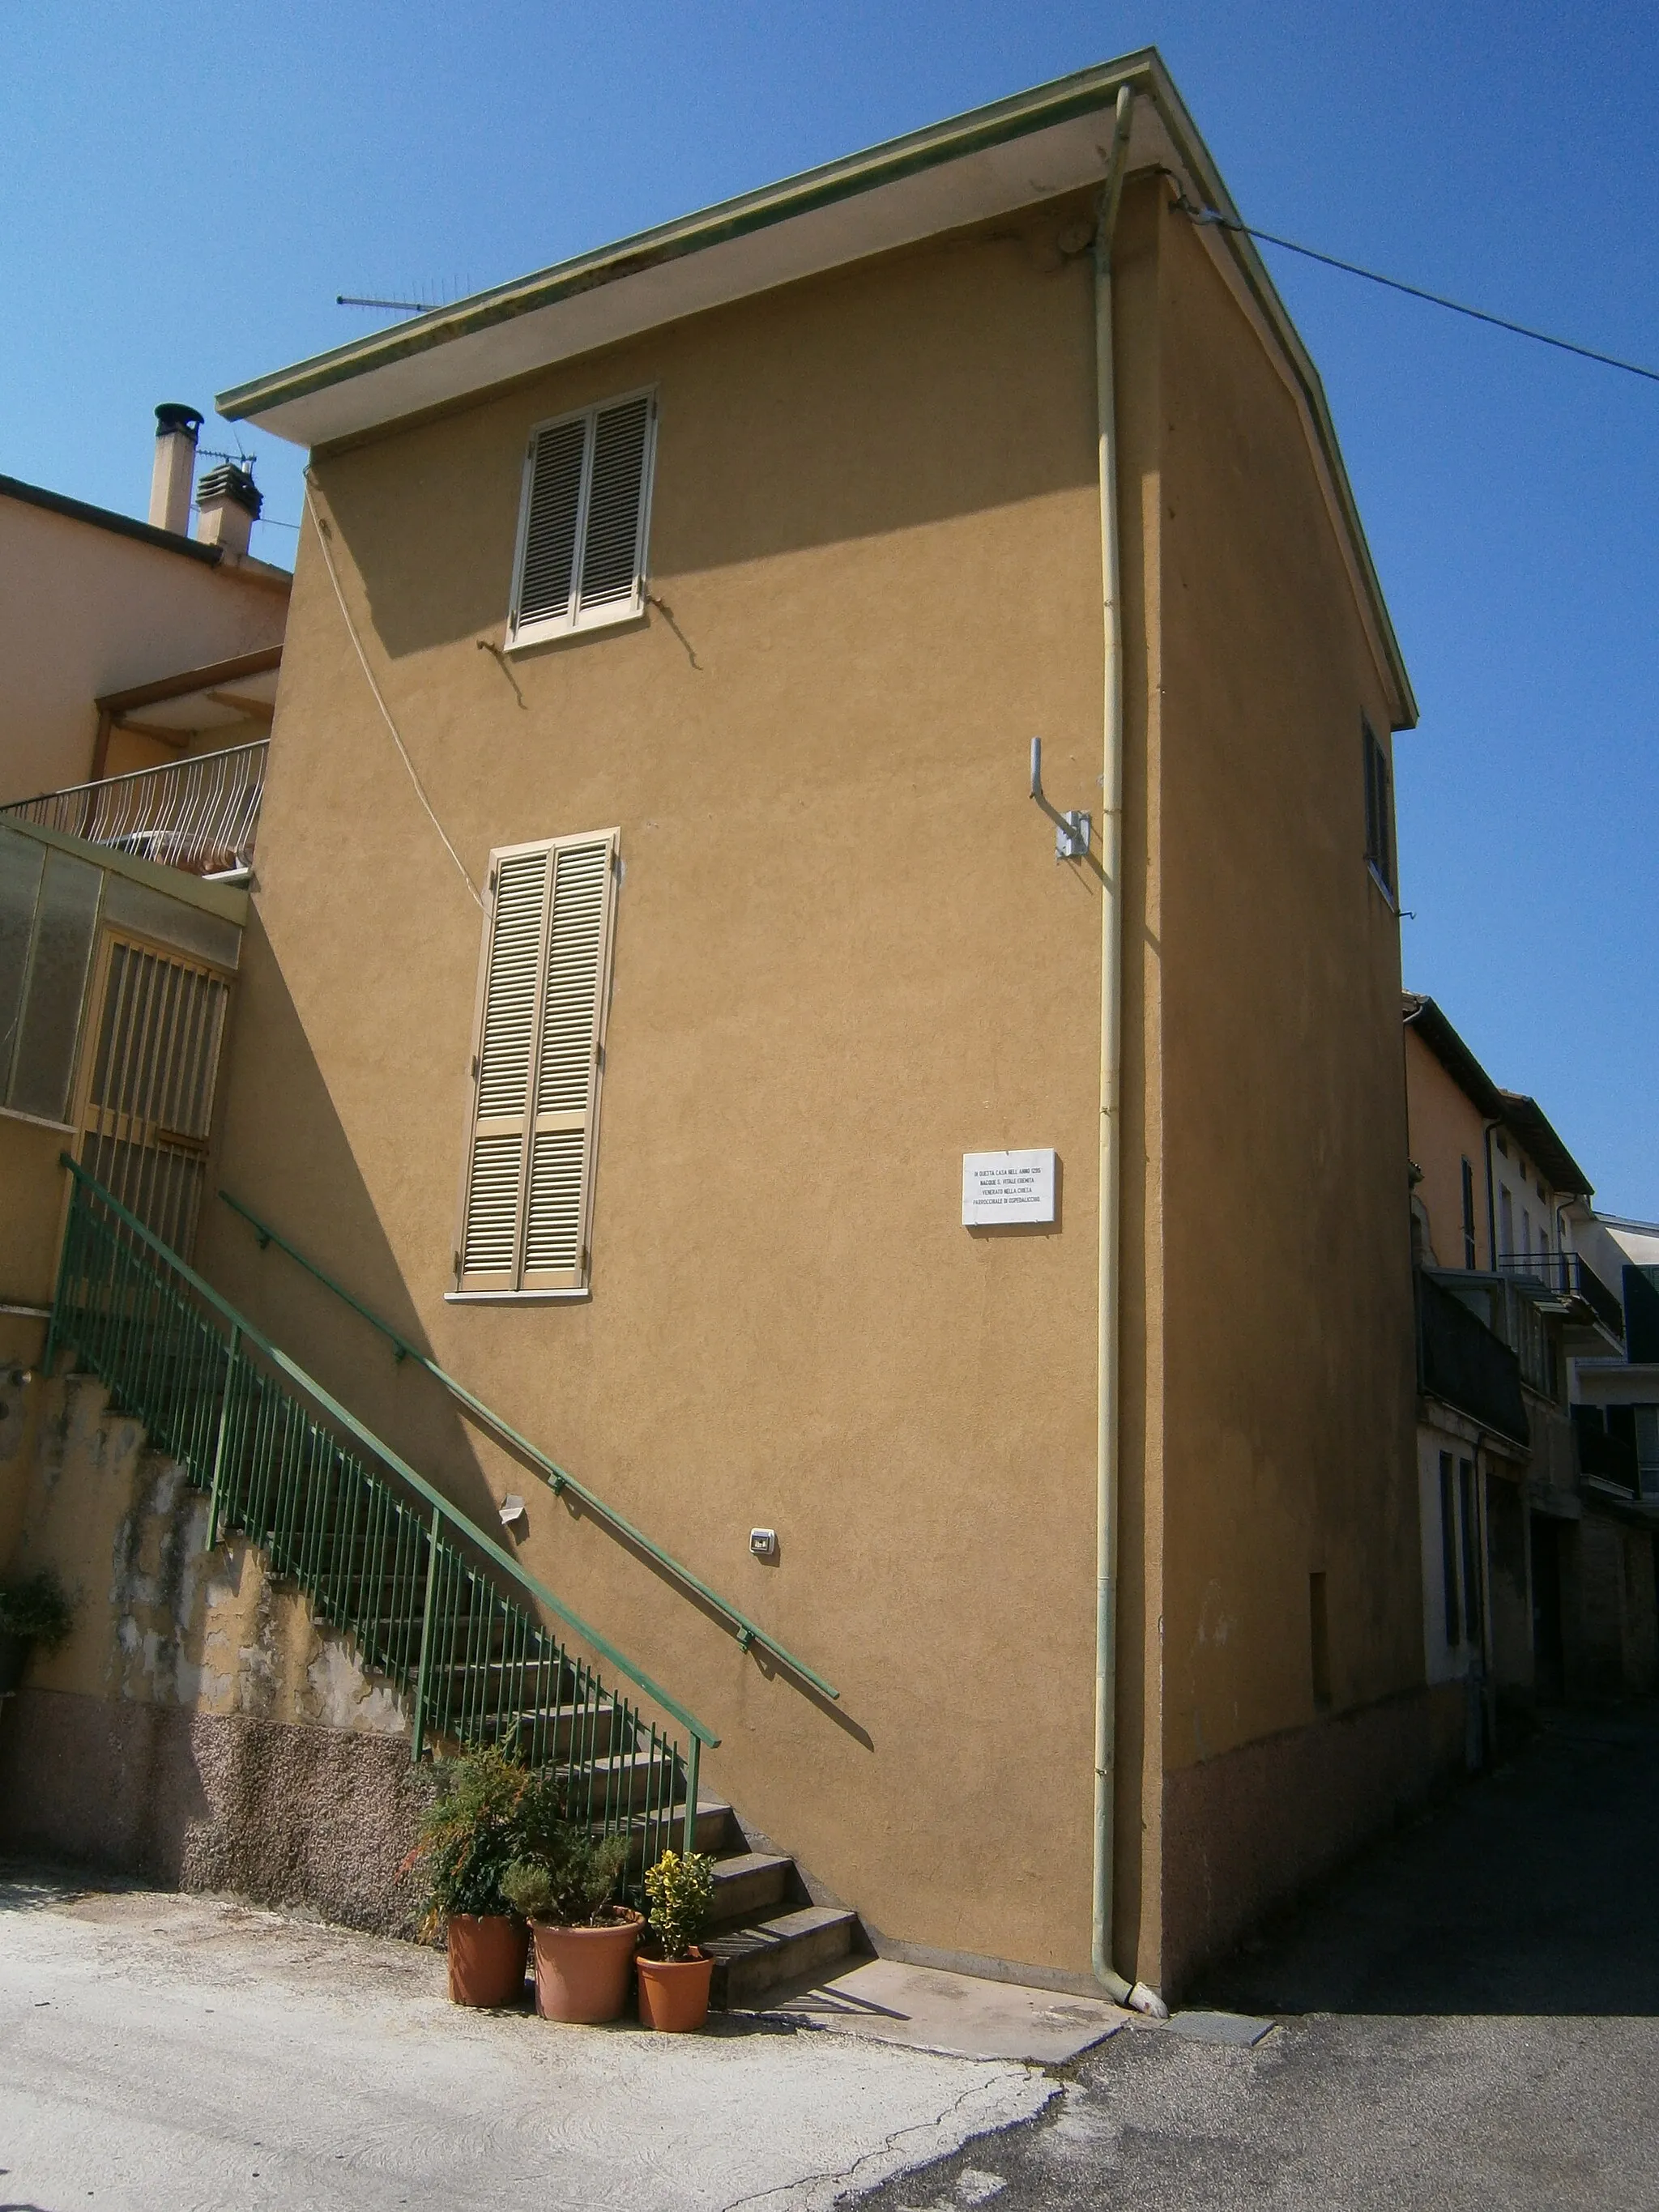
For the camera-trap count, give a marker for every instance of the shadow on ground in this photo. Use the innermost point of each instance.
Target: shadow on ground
(1525, 1891)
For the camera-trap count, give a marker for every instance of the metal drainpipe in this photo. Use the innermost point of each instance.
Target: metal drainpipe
(1111, 1070)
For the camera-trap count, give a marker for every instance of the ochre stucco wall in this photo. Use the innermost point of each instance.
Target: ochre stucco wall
(1285, 1386)
(86, 612)
(1446, 1129)
(846, 955)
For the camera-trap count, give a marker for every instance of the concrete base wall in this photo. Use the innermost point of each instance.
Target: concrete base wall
(1244, 1832)
(276, 1814)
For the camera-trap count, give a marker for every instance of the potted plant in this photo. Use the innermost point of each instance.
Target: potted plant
(468, 1838)
(35, 1609)
(565, 1884)
(674, 1988)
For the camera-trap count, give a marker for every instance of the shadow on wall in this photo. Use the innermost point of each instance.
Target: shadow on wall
(430, 519)
(295, 1169)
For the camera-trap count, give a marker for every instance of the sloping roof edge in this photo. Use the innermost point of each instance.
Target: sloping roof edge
(1422, 1015)
(1532, 1125)
(103, 518)
(858, 177)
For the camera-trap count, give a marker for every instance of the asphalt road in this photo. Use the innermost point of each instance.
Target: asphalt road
(1467, 2016)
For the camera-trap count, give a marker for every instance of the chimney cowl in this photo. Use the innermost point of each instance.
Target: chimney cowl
(173, 469)
(227, 480)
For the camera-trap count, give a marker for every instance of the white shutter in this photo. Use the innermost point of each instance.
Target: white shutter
(612, 552)
(541, 1011)
(584, 518)
(558, 461)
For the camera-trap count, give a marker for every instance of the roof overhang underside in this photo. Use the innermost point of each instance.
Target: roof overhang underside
(1012, 154)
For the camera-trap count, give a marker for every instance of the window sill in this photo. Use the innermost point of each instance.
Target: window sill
(37, 1120)
(535, 640)
(515, 1297)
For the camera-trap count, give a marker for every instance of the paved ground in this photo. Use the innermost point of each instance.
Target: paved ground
(162, 2054)
(1467, 2017)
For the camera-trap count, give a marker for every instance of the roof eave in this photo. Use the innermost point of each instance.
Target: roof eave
(941, 143)
(1067, 99)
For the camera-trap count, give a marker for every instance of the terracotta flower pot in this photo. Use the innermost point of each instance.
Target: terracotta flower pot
(583, 1973)
(674, 1992)
(486, 1958)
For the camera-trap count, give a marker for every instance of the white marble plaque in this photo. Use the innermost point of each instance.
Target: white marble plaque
(998, 1186)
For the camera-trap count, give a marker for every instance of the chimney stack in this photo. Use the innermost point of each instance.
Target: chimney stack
(175, 468)
(228, 506)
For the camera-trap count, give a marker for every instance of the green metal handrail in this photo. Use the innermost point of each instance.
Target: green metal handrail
(558, 1478)
(480, 1662)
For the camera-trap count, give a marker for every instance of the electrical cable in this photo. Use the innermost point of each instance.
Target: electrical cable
(385, 712)
(1214, 216)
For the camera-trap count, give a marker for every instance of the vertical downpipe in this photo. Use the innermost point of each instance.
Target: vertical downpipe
(1111, 1083)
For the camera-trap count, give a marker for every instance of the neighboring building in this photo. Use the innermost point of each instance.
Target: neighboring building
(1537, 1582)
(1623, 1393)
(137, 682)
(99, 610)
(668, 633)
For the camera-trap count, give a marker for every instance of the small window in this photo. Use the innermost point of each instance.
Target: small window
(544, 980)
(584, 514)
(1379, 810)
(1465, 1499)
(1469, 1214)
(1448, 1551)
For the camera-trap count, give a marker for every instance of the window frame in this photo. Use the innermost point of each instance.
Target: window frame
(545, 629)
(582, 1288)
(1380, 850)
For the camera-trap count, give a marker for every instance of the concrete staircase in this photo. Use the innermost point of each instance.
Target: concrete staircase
(766, 1929)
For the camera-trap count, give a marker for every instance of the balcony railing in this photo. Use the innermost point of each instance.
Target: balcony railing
(199, 814)
(1566, 1275)
(1460, 1360)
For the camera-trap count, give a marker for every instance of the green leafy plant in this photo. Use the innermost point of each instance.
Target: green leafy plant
(563, 1875)
(682, 1894)
(36, 1608)
(469, 1836)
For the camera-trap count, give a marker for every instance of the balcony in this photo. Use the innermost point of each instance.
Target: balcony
(1565, 1283)
(1461, 1361)
(199, 814)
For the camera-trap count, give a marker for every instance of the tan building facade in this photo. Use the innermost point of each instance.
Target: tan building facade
(837, 954)
(99, 604)
(1538, 1570)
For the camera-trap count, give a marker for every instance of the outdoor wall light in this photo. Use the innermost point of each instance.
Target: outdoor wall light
(763, 1543)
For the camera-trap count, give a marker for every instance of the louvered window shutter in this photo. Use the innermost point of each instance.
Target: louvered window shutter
(530, 1166)
(585, 510)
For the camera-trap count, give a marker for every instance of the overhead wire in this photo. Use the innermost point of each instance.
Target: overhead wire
(1213, 217)
(385, 712)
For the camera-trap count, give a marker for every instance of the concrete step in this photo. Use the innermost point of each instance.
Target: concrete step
(748, 1882)
(751, 1960)
(714, 1829)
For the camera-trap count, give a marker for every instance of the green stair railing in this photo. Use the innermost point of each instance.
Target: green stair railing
(559, 1478)
(381, 1555)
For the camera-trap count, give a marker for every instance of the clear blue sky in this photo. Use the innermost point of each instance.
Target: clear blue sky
(185, 191)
